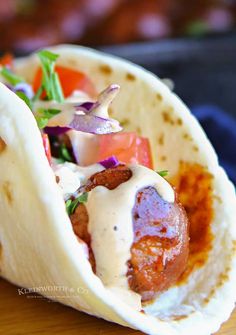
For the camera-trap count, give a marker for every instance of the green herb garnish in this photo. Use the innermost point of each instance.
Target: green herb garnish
(44, 115)
(163, 173)
(57, 91)
(38, 94)
(50, 80)
(12, 78)
(42, 122)
(64, 154)
(72, 204)
(25, 99)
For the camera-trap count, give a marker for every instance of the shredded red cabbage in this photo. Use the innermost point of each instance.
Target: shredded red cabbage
(109, 162)
(56, 131)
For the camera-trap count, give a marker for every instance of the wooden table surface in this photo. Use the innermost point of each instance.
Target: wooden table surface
(22, 315)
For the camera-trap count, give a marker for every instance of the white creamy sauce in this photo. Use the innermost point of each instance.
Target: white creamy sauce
(67, 108)
(63, 118)
(72, 176)
(79, 96)
(68, 181)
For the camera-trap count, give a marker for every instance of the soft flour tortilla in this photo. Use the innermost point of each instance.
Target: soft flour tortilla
(38, 246)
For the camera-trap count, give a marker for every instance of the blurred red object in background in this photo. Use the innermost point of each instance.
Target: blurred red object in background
(26, 25)
(32, 24)
(133, 21)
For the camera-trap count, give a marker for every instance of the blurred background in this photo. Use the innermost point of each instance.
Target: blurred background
(191, 42)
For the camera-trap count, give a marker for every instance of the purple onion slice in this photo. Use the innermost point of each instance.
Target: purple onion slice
(104, 100)
(24, 88)
(89, 117)
(85, 106)
(94, 124)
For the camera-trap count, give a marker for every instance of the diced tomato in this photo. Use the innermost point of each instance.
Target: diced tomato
(6, 60)
(47, 148)
(128, 147)
(71, 80)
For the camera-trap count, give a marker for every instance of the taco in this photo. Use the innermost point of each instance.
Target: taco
(112, 195)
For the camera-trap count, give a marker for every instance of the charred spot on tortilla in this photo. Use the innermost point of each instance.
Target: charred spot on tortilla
(7, 191)
(195, 148)
(218, 198)
(210, 295)
(186, 136)
(138, 131)
(105, 69)
(167, 117)
(179, 317)
(159, 97)
(207, 300)
(125, 122)
(163, 158)
(2, 145)
(73, 62)
(193, 181)
(130, 77)
(110, 111)
(223, 277)
(160, 139)
(233, 249)
(179, 121)
(57, 179)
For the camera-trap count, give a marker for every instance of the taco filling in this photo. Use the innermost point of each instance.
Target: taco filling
(126, 215)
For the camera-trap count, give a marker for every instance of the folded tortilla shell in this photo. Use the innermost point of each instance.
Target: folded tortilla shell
(38, 246)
